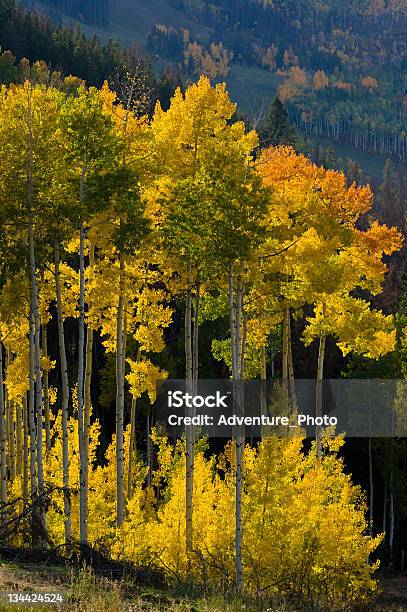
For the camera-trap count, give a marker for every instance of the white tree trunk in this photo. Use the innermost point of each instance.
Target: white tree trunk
(31, 408)
(263, 384)
(26, 451)
(284, 364)
(38, 378)
(35, 392)
(19, 438)
(318, 403)
(195, 340)
(10, 419)
(291, 377)
(237, 355)
(65, 402)
(189, 438)
(46, 390)
(240, 438)
(120, 402)
(83, 528)
(3, 466)
(132, 445)
(87, 403)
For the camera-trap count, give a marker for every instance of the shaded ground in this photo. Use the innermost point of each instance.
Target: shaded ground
(103, 590)
(91, 590)
(394, 592)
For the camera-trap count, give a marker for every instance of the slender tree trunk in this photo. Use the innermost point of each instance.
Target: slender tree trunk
(188, 337)
(35, 428)
(189, 438)
(384, 527)
(11, 458)
(31, 419)
(25, 454)
(35, 347)
(371, 490)
(36, 365)
(3, 467)
(38, 396)
(6, 410)
(392, 521)
(125, 319)
(65, 402)
(195, 339)
(31, 410)
(235, 316)
(232, 322)
(87, 401)
(11, 443)
(240, 437)
(272, 362)
(83, 528)
(192, 368)
(318, 404)
(293, 393)
(19, 438)
(46, 389)
(284, 366)
(120, 399)
(263, 384)
(370, 453)
(132, 445)
(149, 453)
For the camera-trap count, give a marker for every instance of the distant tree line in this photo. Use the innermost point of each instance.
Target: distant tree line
(337, 84)
(33, 36)
(28, 37)
(93, 12)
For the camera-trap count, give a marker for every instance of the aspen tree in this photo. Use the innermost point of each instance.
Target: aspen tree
(15, 325)
(29, 138)
(313, 215)
(146, 317)
(240, 209)
(35, 350)
(126, 210)
(204, 146)
(90, 145)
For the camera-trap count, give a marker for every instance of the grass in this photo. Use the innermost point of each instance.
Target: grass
(85, 590)
(252, 88)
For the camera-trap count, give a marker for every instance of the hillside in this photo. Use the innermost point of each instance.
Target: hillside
(339, 68)
(128, 20)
